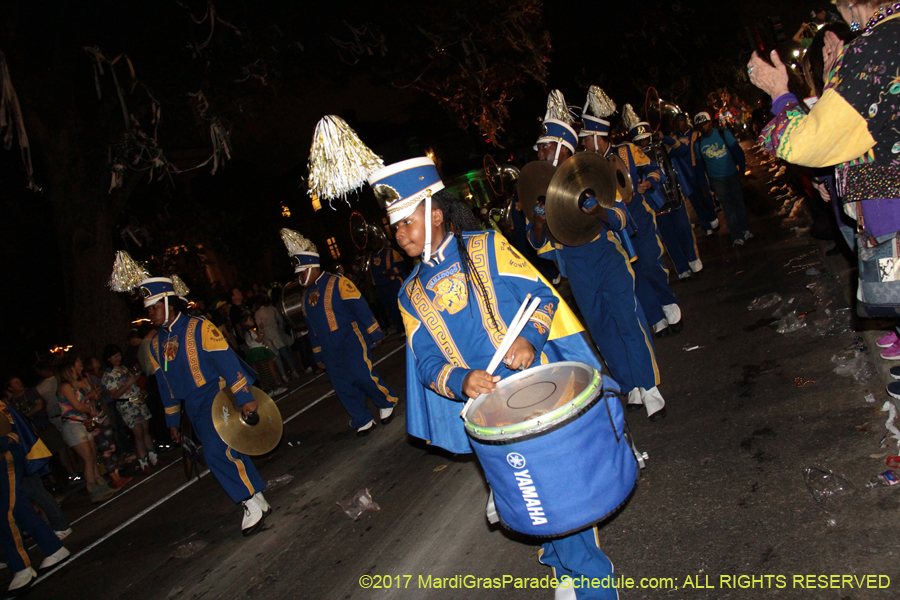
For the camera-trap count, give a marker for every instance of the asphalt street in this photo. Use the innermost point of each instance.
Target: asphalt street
(723, 494)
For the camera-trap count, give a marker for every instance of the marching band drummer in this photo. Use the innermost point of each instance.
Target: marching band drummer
(388, 271)
(189, 355)
(600, 272)
(456, 306)
(342, 330)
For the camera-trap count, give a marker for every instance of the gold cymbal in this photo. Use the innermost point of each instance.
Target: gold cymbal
(585, 174)
(243, 437)
(624, 186)
(534, 178)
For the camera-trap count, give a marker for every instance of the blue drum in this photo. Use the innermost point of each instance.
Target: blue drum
(552, 444)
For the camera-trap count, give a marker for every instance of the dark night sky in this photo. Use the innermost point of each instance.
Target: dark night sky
(615, 45)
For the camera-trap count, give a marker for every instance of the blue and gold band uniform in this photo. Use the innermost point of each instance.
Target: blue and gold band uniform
(388, 272)
(603, 283)
(691, 175)
(21, 453)
(651, 277)
(190, 356)
(449, 333)
(342, 329)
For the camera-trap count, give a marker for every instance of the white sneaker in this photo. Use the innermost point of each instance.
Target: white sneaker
(151, 456)
(364, 430)
(685, 275)
(710, 233)
(385, 414)
(55, 558)
(673, 313)
(263, 505)
(738, 242)
(696, 265)
(22, 579)
(634, 400)
(653, 401)
(715, 223)
(748, 235)
(253, 516)
(660, 325)
(64, 533)
(279, 391)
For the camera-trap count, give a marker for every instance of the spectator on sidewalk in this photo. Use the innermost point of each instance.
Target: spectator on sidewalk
(48, 388)
(269, 320)
(130, 404)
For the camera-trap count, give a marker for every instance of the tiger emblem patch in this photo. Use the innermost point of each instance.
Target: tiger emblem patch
(450, 291)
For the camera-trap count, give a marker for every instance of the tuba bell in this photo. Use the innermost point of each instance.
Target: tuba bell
(502, 179)
(656, 112)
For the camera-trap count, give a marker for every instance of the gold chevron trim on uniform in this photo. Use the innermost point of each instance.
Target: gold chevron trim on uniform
(431, 319)
(478, 252)
(373, 327)
(329, 312)
(191, 349)
(173, 410)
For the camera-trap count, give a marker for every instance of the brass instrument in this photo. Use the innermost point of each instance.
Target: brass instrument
(245, 435)
(657, 111)
(367, 238)
(503, 180)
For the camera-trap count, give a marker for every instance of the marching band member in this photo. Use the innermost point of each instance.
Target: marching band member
(189, 355)
(342, 330)
(600, 272)
(388, 271)
(652, 282)
(693, 183)
(456, 306)
(23, 453)
(673, 222)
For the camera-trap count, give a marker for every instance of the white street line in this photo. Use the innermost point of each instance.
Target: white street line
(120, 527)
(181, 488)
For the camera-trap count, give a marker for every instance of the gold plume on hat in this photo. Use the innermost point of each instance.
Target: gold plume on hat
(600, 104)
(296, 243)
(557, 108)
(339, 162)
(629, 117)
(127, 274)
(180, 287)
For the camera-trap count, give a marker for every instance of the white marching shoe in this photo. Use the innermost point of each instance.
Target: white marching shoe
(261, 500)
(253, 516)
(385, 415)
(55, 558)
(365, 429)
(22, 581)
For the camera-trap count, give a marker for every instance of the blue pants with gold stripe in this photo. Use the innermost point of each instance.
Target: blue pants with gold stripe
(604, 288)
(651, 280)
(676, 232)
(579, 557)
(349, 367)
(20, 515)
(234, 471)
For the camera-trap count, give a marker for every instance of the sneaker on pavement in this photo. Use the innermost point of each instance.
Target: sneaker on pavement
(55, 558)
(279, 391)
(738, 242)
(893, 389)
(886, 341)
(21, 581)
(892, 353)
(64, 533)
(748, 235)
(253, 516)
(385, 415)
(365, 429)
(895, 372)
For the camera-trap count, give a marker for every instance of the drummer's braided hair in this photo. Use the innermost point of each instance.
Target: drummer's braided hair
(459, 218)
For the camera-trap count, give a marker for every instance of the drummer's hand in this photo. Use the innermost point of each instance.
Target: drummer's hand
(520, 354)
(539, 220)
(643, 186)
(176, 435)
(479, 382)
(594, 211)
(249, 408)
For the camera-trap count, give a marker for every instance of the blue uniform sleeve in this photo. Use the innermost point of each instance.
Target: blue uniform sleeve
(430, 365)
(676, 148)
(359, 308)
(226, 363)
(171, 405)
(617, 216)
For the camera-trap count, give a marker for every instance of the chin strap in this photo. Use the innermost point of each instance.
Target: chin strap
(426, 253)
(166, 322)
(306, 278)
(556, 156)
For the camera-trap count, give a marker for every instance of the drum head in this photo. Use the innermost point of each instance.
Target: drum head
(533, 400)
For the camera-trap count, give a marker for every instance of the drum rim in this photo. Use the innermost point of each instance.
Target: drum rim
(538, 425)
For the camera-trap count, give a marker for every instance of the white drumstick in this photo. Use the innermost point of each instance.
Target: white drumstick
(515, 328)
